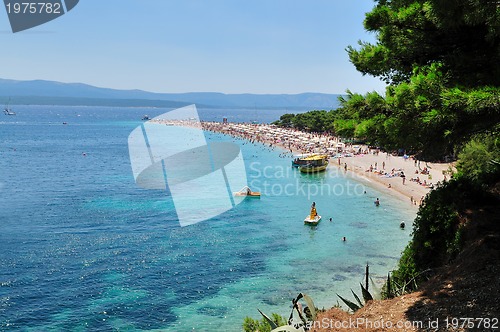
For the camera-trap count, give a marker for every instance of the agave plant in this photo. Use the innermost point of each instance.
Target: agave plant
(367, 296)
(306, 316)
(393, 288)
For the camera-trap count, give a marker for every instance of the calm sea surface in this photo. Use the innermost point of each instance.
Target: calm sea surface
(82, 248)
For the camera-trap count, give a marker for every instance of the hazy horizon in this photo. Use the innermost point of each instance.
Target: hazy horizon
(231, 47)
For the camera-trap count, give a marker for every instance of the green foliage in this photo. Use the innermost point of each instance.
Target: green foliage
(366, 296)
(438, 228)
(438, 231)
(314, 121)
(262, 325)
(353, 306)
(251, 325)
(361, 117)
(286, 120)
(388, 288)
(435, 228)
(271, 323)
(356, 306)
(345, 127)
(461, 34)
(358, 300)
(404, 274)
(443, 61)
(480, 160)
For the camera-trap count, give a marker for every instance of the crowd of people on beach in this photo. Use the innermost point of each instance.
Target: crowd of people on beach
(401, 174)
(293, 141)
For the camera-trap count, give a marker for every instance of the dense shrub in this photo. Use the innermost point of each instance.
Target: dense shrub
(479, 160)
(438, 231)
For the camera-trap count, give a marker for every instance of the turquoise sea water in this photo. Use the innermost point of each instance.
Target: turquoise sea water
(82, 248)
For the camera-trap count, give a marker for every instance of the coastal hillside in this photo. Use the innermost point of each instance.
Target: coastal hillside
(442, 103)
(40, 91)
(467, 287)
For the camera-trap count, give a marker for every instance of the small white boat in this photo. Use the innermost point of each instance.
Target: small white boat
(312, 222)
(247, 192)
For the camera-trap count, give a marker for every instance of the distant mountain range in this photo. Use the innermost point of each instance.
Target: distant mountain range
(56, 93)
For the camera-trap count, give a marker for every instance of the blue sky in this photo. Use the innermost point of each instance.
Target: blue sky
(229, 46)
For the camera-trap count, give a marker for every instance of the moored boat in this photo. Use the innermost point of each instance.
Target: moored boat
(314, 164)
(299, 160)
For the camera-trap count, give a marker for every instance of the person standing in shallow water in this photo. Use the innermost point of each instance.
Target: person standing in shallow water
(377, 202)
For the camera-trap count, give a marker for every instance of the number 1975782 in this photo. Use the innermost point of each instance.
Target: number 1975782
(34, 8)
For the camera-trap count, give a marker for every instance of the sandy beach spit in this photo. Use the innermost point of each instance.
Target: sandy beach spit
(401, 176)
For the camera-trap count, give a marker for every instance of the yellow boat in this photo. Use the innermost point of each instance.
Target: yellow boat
(300, 160)
(314, 164)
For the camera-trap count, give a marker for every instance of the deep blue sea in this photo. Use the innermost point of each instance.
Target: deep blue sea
(83, 248)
